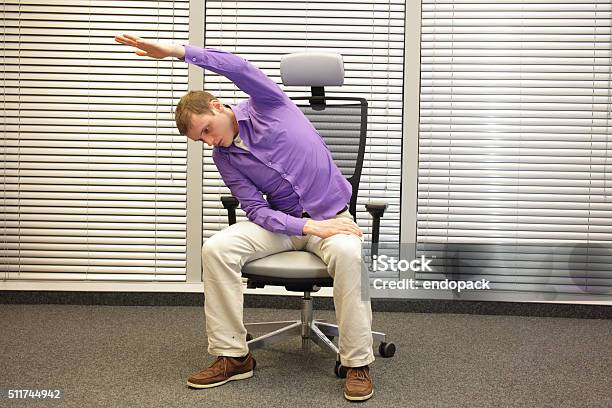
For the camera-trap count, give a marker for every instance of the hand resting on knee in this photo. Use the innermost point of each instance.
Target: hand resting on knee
(327, 228)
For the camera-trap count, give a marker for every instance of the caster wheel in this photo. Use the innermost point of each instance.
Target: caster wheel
(249, 337)
(340, 370)
(386, 349)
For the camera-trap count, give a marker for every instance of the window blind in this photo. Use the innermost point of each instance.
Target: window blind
(515, 168)
(369, 35)
(93, 173)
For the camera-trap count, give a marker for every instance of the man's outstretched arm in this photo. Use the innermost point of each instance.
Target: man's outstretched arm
(246, 76)
(152, 49)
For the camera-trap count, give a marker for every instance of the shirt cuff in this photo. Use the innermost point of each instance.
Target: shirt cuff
(194, 55)
(295, 226)
(184, 55)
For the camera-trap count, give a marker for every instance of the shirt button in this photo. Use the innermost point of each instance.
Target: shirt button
(270, 163)
(193, 59)
(284, 175)
(297, 187)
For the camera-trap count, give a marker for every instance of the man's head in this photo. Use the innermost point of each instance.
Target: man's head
(201, 116)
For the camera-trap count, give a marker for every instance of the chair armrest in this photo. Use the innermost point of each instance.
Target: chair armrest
(377, 211)
(230, 203)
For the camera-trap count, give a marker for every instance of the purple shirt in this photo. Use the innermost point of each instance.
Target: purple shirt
(287, 160)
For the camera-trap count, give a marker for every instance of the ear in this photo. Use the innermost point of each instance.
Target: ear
(216, 105)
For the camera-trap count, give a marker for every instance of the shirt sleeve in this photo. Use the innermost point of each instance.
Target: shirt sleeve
(252, 202)
(246, 76)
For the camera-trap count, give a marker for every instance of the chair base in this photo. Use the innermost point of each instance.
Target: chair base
(311, 330)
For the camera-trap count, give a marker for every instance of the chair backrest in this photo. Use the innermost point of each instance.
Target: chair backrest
(342, 123)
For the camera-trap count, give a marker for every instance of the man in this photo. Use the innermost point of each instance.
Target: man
(266, 145)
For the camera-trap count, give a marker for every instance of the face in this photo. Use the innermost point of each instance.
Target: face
(217, 129)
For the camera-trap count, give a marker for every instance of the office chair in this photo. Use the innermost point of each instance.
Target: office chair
(342, 123)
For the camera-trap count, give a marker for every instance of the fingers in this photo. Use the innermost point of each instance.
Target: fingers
(356, 230)
(337, 226)
(352, 228)
(133, 41)
(121, 39)
(128, 39)
(133, 37)
(348, 227)
(125, 41)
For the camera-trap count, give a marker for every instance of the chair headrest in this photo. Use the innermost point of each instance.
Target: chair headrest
(312, 69)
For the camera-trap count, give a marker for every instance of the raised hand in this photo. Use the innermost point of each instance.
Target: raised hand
(152, 49)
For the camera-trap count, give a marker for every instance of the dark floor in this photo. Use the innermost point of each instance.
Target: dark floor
(140, 356)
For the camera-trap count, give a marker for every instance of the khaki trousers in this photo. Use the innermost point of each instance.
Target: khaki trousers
(223, 256)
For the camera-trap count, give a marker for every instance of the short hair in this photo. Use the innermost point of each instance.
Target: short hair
(193, 102)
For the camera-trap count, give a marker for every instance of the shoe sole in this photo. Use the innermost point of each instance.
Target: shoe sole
(359, 398)
(242, 376)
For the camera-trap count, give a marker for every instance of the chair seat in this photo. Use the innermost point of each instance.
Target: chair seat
(287, 265)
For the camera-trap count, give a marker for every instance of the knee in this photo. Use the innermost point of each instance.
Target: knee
(212, 248)
(346, 247)
(216, 251)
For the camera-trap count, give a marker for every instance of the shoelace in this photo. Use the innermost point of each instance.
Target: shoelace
(360, 373)
(222, 360)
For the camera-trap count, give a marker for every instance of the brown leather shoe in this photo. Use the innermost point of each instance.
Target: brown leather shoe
(224, 369)
(358, 385)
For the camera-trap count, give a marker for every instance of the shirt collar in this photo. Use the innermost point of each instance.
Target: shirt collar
(241, 114)
(239, 110)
